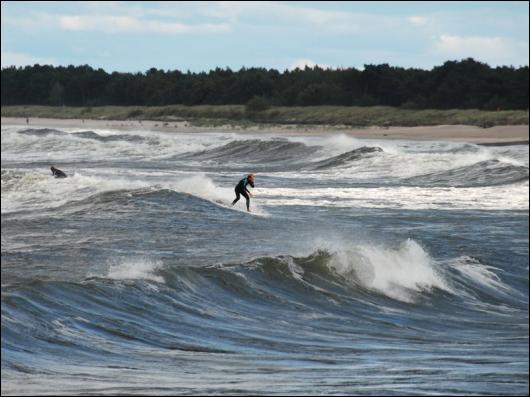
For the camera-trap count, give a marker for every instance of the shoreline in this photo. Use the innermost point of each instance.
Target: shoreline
(498, 135)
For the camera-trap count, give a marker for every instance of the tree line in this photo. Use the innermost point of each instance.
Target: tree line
(461, 84)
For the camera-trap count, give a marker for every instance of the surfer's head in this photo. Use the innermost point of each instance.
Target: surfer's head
(250, 177)
(53, 168)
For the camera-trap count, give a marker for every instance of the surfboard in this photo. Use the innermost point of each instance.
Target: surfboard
(241, 208)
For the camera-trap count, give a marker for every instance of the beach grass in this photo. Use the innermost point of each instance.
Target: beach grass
(215, 115)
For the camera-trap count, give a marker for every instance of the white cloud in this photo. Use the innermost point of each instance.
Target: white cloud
(127, 24)
(20, 59)
(281, 15)
(34, 22)
(111, 24)
(494, 50)
(459, 45)
(418, 20)
(302, 63)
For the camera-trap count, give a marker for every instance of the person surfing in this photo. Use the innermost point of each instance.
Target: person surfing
(241, 189)
(57, 172)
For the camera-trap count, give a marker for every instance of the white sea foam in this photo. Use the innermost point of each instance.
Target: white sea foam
(23, 190)
(398, 273)
(136, 269)
(398, 159)
(508, 197)
(479, 273)
(402, 159)
(32, 189)
(202, 186)
(71, 147)
(29, 190)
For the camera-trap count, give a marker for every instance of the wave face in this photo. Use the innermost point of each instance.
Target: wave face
(278, 308)
(85, 135)
(365, 267)
(344, 158)
(484, 173)
(256, 151)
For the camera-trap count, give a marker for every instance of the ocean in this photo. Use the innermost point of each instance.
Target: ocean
(366, 267)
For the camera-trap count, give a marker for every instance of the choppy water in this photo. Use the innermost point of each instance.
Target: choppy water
(367, 267)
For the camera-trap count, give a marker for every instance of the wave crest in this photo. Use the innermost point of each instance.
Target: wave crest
(255, 151)
(345, 158)
(483, 173)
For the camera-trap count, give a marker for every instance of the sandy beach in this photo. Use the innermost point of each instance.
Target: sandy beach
(458, 133)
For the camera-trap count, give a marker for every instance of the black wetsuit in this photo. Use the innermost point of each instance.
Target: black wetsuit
(58, 173)
(241, 189)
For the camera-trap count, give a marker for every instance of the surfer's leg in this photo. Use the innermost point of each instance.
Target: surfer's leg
(245, 194)
(237, 198)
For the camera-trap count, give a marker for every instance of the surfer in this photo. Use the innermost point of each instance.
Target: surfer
(241, 189)
(57, 173)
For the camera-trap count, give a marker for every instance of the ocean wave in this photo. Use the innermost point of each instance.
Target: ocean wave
(499, 197)
(24, 190)
(42, 132)
(90, 135)
(255, 151)
(29, 190)
(69, 145)
(403, 273)
(484, 173)
(162, 302)
(344, 159)
(140, 310)
(291, 155)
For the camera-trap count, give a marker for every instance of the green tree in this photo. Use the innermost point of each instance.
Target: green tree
(56, 94)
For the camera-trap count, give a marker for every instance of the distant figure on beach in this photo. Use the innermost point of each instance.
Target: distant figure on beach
(241, 189)
(27, 120)
(57, 173)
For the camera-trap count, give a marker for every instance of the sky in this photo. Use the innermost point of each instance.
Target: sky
(135, 36)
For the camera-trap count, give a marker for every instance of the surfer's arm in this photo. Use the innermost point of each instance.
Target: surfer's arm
(251, 184)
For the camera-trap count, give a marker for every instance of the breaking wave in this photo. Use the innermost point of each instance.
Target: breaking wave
(484, 173)
(255, 151)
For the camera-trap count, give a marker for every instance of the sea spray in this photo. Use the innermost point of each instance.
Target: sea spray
(395, 272)
(136, 269)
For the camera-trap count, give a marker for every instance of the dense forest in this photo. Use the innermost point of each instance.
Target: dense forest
(465, 84)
